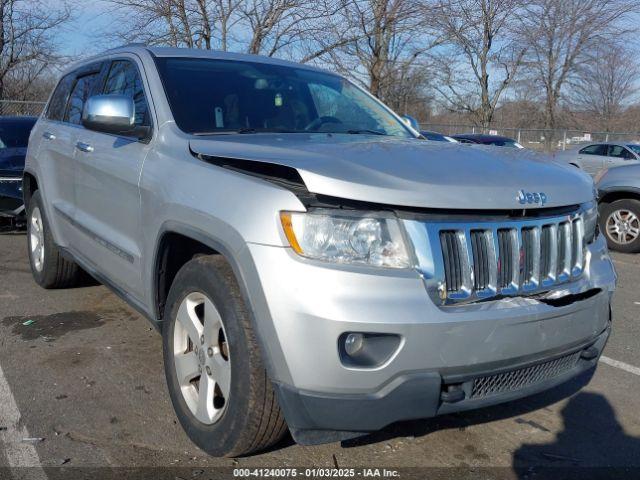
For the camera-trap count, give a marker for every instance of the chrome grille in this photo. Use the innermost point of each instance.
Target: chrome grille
(452, 252)
(506, 262)
(481, 246)
(479, 260)
(523, 377)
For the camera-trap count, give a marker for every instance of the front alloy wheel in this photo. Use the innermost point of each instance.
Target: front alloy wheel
(623, 226)
(227, 410)
(201, 357)
(36, 237)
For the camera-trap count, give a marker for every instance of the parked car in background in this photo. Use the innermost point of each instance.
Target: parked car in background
(14, 137)
(597, 156)
(483, 139)
(619, 199)
(437, 137)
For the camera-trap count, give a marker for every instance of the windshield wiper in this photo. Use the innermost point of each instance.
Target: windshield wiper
(244, 131)
(225, 132)
(364, 131)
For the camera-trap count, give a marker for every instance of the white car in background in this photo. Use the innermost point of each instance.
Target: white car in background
(595, 157)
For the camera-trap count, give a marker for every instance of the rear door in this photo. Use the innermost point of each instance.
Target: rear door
(592, 158)
(56, 154)
(108, 169)
(619, 155)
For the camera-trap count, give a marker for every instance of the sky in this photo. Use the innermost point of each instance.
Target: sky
(78, 38)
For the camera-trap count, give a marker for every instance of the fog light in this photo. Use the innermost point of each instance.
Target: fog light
(367, 350)
(353, 343)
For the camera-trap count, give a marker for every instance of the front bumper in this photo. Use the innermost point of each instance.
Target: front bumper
(11, 204)
(442, 349)
(319, 418)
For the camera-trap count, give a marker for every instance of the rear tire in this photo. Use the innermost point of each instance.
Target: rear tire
(208, 337)
(49, 268)
(620, 223)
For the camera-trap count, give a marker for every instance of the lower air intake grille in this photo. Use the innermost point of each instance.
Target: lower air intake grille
(522, 378)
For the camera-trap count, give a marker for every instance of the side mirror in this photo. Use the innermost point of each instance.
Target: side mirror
(412, 122)
(112, 114)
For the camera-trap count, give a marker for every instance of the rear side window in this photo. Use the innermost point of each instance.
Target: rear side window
(55, 111)
(81, 91)
(124, 79)
(594, 150)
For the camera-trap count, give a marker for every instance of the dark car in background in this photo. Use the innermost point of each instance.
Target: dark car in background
(14, 137)
(436, 137)
(484, 139)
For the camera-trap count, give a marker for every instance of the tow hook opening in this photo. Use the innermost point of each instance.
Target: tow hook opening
(452, 393)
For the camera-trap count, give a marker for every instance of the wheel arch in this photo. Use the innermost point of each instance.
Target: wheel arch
(246, 275)
(29, 186)
(609, 196)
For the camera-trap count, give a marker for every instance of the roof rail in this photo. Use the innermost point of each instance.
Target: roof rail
(133, 44)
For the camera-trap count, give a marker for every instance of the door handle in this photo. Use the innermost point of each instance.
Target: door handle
(48, 136)
(84, 147)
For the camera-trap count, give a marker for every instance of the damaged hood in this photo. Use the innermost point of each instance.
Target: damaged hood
(409, 172)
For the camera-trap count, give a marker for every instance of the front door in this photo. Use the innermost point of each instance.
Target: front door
(109, 168)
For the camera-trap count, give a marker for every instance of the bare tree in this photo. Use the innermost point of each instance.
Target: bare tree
(560, 33)
(605, 83)
(226, 16)
(293, 28)
(384, 41)
(27, 46)
(483, 42)
(273, 24)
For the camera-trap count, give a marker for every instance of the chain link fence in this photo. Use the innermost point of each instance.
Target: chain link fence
(20, 108)
(539, 138)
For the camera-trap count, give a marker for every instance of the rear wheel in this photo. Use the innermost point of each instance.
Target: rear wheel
(217, 382)
(49, 268)
(620, 222)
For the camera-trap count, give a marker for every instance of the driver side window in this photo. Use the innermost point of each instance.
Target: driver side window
(124, 79)
(594, 150)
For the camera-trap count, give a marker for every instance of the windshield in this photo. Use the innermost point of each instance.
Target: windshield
(15, 135)
(221, 96)
(635, 149)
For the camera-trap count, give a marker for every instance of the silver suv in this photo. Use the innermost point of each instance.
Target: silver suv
(311, 262)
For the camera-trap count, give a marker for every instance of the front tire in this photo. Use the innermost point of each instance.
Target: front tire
(620, 222)
(216, 379)
(49, 268)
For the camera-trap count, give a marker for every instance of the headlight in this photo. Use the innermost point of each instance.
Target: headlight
(590, 219)
(362, 239)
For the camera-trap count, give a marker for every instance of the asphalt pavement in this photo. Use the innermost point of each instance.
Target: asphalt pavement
(82, 387)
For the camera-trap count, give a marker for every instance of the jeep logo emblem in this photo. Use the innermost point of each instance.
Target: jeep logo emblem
(528, 198)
